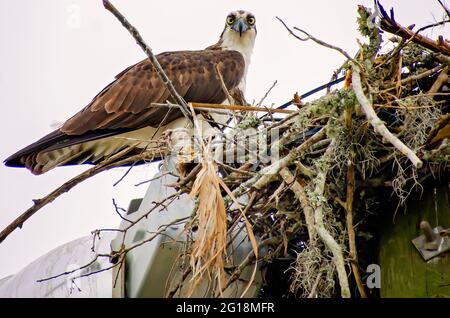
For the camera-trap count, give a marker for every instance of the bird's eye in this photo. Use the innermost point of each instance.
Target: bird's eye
(230, 20)
(251, 20)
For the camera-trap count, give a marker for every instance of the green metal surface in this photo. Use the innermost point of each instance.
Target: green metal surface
(403, 271)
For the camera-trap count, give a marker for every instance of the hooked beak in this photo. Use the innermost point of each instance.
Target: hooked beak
(240, 26)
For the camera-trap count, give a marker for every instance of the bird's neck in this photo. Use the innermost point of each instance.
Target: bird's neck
(244, 44)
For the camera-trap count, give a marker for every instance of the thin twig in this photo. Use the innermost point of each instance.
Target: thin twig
(388, 24)
(320, 42)
(266, 94)
(440, 81)
(118, 210)
(416, 77)
(217, 107)
(111, 162)
(349, 207)
(160, 175)
(224, 87)
(270, 172)
(301, 195)
(243, 108)
(312, 294)
(163, 76)
(447, 10)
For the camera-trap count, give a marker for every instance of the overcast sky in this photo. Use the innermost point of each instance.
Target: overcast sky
(55, 55)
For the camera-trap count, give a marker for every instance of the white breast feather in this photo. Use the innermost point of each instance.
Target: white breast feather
(244, 45)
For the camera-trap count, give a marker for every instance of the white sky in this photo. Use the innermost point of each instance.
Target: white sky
(51, 66)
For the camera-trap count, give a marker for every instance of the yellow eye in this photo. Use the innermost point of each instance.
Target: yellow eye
(230, 20)
(251, 20)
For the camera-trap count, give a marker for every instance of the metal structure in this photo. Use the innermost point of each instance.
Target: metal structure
(148, 269)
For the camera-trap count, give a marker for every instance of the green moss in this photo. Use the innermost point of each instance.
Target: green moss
(369, 50)
(250, 122)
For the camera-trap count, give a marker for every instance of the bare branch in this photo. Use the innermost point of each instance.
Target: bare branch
(376, 122)
(320, 42)
(447, 10)
(134, 32)
(325, 235)
(349, 208)
(301, 195)
(107, 164)
(224, 87)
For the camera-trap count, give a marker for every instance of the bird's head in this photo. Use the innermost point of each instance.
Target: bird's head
(241, 22)
(240, 30)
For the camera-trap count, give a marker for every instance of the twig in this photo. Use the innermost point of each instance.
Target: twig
(320, 42)
(243, 108)
(247, 261)
(316, 283)
(441, 80)
(416, 77)
(349, 208)
(224, 87)
(267, 94)
(40, 203)
(325, 236)
(376, 122)
(172, 292)
(190, 177)
(304, 169)
(217, 107)
(119, 254)
(153, 179)
(238, 171)
(74, 270)
(447, 11)
(404, 41)
(388, 24)
(301, 195)
(118, 209)
(427, 73)
(163, 76)
(270, 172)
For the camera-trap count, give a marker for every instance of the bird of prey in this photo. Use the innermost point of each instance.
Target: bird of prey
(123, 114)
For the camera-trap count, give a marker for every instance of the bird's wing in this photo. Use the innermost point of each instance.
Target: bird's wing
(125, 104)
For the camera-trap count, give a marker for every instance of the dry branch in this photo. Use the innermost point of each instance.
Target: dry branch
(349, 208)
(134, 32)
(447, 10)
(301, 195)
(325, 235)
(389, 24)
(270, 172)
(320, 42)
(109, 163)
(376, 122)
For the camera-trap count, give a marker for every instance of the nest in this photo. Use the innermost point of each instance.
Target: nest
(324, 168)
(307, 184)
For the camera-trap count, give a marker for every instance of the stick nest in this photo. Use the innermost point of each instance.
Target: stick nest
(311, 208)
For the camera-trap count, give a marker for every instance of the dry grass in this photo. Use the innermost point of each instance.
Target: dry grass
(209, 249)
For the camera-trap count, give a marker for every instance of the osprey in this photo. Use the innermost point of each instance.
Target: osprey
(122, 114)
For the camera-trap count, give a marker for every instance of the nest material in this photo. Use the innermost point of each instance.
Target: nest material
(333, 156)
(305, 185)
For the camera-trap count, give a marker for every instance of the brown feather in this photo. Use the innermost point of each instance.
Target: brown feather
(125, 105)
